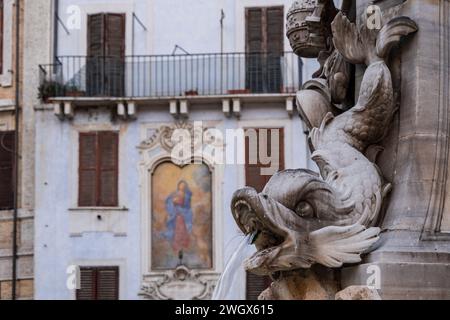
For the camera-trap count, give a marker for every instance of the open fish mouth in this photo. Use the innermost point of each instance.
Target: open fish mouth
(267, 237)
(265, 234)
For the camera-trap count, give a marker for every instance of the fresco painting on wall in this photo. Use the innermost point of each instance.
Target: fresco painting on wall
(181, 217)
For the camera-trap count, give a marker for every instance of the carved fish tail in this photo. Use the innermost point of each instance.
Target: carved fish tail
(361, 45)
(371, 213)
(391, 34)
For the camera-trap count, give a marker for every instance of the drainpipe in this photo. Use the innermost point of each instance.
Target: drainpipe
(55, 33)
(222, 17)
(16, 154)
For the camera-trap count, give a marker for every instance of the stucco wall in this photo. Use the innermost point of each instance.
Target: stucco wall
(24, 288)
(56, 185)
(193, 25)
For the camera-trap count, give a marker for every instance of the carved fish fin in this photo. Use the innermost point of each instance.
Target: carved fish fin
(392, 32)
(386, 189)
(316, 133)
(335, 246)
(378, 202)
(323, 163)
(347, 40)
(364, 219)
(326, 120)
(313, 138)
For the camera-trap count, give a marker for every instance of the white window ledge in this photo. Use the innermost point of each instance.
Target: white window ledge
(102, 209)
(98, 220)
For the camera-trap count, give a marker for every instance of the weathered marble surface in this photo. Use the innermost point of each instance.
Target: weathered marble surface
(414, 250)
(317, 283)
(413, 254)
(358, 293)
(301, 219)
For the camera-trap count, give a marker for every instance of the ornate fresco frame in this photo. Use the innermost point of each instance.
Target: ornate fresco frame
(182, 282)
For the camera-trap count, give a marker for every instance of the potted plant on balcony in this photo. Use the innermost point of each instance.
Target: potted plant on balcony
(239, 91)
(191, 93)
(73, 91)
(50, 89)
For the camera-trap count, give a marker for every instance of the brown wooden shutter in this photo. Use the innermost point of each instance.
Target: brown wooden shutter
(96, 35)
(264, 47)
(98, 169)
(275, 29)
(88, 187)
(275, 48)
(264, 30)
(253, 177)
(88, 284)
(107, 283)
(115, 52)
(99, 283)
(106, 54)
(108, 167)
(96, 54)
(256, 284)
(7, 151)
(255, 45)
(1, 36)
(254, 30)
(115, 35)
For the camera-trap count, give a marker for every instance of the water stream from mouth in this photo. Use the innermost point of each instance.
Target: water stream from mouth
(234, 274)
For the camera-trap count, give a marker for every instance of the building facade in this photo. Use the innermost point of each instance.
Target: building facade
(16, 169)
(117, 204)
(127, 125)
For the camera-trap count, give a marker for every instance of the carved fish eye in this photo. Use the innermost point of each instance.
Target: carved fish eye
(304, 210)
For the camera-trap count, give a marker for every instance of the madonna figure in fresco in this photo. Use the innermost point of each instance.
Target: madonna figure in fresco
(179, 224)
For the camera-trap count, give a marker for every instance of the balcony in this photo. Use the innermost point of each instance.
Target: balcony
(170, 76)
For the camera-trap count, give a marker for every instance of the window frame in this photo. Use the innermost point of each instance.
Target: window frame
(264, 26)
(98, 202)
(10, 205)
(281, 159)
(263, 67)
(102, 78)
(95, 281)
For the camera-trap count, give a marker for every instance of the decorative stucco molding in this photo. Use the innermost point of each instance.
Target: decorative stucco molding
(163, 135)
(179, 284)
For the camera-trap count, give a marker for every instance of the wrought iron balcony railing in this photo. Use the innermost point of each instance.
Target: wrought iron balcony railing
(171, 75)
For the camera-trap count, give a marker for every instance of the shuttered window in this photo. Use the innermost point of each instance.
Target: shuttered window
(98, 169)
(1, 36)
(7, 151)
(253, 144)
(264, 47)
(99, 283)
(256, 284)
(106, 52)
